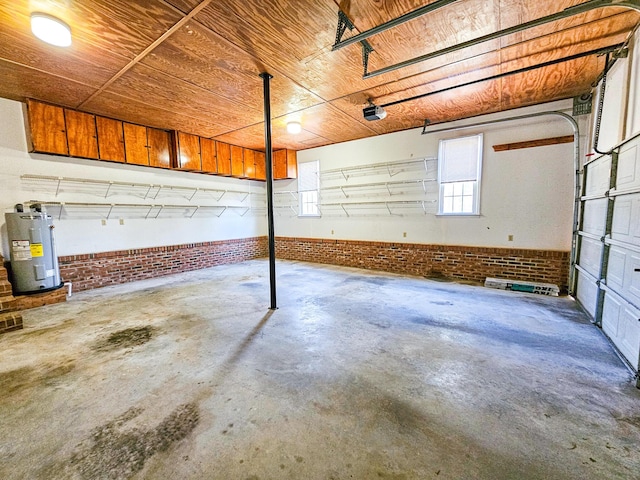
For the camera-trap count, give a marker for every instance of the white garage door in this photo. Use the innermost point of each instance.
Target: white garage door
(608, 278)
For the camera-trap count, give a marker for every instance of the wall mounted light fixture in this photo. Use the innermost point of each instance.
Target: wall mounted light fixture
(294, 127)
(50, 29)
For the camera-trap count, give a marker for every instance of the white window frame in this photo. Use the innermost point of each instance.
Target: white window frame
(309, 189)
(452, 192)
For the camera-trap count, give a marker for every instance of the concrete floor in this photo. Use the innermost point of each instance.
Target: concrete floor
(357, 375)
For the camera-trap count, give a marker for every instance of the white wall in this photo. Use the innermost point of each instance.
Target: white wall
(77, 236)
(527, 193)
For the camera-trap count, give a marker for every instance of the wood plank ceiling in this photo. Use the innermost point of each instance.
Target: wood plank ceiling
(193, 66)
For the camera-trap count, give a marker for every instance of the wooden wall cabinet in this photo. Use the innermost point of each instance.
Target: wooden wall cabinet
(82, 137)
(285, 165)
(208, 154)
(188, 150)
(261, 166)
(63, 131)
(160, 148)
(223, 154)
(237, 161)
(47, 130)
(110, 139)
(249, 163)
(135, 144)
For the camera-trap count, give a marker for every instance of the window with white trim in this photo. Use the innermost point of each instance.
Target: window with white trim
(309, 189)
(459, 172)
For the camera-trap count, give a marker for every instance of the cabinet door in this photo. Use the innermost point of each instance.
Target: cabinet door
(261, 166)
(285, 164)
(110, 139)
(223, 151)
(47, 129)
(208, 151)
(81, 134)
(249, 163)
(159, 147)
(135, 144)
(189, 152)
(237, 163)
(292, 164)
(279, 164)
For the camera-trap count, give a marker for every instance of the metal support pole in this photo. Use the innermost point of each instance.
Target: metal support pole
(266, 78)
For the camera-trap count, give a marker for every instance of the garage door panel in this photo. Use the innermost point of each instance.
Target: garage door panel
(614, 303)
(587, 293)
(632, 277)
(611, 317)
(598, 176)
(616, 269)
(620, 323)
(628, 168)
(626, 212)
(590, 255)
(594, 217)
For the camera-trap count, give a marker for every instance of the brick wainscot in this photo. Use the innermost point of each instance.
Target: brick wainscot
(459, 262)
(95, 270)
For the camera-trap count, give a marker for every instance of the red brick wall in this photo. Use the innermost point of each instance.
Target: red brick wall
(461, 262)
(108, 268)
(10, 319)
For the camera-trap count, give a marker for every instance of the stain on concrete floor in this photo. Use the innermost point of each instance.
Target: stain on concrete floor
(13, 382)
(116, 452)
(127, 338)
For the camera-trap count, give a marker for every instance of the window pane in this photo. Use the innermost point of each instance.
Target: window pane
(457, 204)
(467, 204)
(457, 188)
(308, 188)
(447, 205)
(448, 189)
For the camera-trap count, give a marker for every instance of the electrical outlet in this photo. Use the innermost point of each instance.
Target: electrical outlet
(404, 234)
(103, 221)
(510, 238)
(331, 232)
(122, 221)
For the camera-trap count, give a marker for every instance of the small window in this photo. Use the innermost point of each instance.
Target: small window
(459, 169)
(309, 189)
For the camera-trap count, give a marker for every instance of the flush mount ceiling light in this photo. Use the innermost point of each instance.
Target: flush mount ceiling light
(50, 29)
(294, 127)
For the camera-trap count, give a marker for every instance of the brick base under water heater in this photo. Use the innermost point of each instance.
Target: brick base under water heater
(460, 262)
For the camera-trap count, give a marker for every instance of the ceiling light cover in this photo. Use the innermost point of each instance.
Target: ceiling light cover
(50, 29)
(294, 127)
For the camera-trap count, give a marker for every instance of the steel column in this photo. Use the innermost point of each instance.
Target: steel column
(266, 78)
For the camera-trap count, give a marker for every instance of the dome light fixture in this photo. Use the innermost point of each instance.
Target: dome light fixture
(50, 29)
(294, 127)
